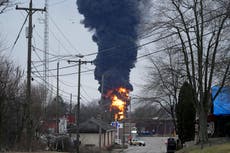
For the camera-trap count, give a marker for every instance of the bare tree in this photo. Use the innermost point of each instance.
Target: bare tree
(7, 5)
(88, 111)
(10, 115)
(200, 30)
(12, 106)
(164, 81)
(37, 108)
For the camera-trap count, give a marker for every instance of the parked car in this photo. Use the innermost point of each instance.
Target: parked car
(137, 141)
(171, 145)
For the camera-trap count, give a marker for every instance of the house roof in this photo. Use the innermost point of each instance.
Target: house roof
(92, 126)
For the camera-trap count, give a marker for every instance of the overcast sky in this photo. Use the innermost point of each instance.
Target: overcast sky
(66, 37)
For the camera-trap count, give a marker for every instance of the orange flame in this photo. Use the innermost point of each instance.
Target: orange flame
(119, 102)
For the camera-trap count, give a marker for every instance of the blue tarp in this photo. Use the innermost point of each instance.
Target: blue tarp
(221, 104)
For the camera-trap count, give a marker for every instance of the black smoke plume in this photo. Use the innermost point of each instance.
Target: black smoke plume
(114, 23)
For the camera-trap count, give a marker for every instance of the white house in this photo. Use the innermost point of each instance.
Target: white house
(89, 133)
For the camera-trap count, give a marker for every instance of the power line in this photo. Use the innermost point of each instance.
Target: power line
(145, 44)
(64, 67)
(64, 83)
(149, 54)
(85, 91)
(87, 100)
(109, 49)
(146, 55)
(53, 59)
(54, 55)
(59, 42)
(158, 39)
(90, 70)
(57, 3)
(61, 81)
(69, 86)
(128, 48)
(63, 34)
(68, 74)
(40, 77)
(19, 32)
(53, 92)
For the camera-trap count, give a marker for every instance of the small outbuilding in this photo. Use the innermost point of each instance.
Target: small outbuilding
(90, 136)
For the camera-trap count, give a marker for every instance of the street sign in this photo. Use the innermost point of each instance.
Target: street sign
(117, 124)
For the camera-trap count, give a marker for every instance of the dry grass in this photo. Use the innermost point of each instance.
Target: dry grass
(220, 148)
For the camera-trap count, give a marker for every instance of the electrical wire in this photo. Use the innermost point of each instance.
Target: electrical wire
(53, 34)
(73, 73)
(63, 90)
(109, 49)
(61, 82)
(57, 3)
(139, 46)
(20, 31)
(64, 97)
(83, 89)
(146, 54)
(63, 34)
(56, 69)
(64, 67)
(143, 56)
(40, 77)
(57, 56)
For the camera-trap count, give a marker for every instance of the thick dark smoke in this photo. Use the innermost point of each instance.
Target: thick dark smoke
(114, 23)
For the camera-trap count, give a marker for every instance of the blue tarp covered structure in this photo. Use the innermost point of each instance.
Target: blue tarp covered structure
(221, 104)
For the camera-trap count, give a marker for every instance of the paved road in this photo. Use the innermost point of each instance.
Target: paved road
(153, 145)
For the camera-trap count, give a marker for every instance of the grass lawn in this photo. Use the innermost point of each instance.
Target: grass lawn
(222, 148)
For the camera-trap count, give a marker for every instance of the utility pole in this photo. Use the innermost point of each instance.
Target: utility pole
(30, 12)
(130, 119)
(46, 51)
(70, 106)
(100, 130)
(80, 62)
(70, 112)
(57, 99)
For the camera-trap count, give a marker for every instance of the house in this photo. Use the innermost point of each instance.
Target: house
(58, 125)
(160, 126)
(50, 125)
(89, 133)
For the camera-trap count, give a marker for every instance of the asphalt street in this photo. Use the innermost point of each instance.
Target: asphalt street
(153, 145)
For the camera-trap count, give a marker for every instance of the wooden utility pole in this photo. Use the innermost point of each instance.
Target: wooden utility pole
(57, 99)
(29, 130)
(78, 104)
(70, 111)
(100, 130)
(70, 105)
(80, 62)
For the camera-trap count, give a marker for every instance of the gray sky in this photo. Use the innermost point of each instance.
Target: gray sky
(66, 37)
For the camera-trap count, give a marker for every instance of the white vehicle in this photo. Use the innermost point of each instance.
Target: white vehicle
(136, 141)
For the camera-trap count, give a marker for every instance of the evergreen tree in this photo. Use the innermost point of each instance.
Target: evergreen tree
(185, 113)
